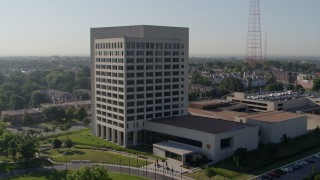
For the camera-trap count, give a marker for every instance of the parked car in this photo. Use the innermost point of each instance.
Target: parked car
(317, 155)
(267, 177)
(310, 161)
(296, 167)
(274, 174)
(287, 170)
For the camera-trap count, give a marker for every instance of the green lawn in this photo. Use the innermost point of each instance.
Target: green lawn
(263, 160)
(95, 156)
(61, 175)
(84, 139)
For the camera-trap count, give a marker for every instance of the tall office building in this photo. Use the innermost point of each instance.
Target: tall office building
(139, 73)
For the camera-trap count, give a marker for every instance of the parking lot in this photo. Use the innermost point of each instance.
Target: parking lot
(296, 170)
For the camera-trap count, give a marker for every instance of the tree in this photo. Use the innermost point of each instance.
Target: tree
(26, 117)
(231, 84)
(316, 84)
(13, 147)
(16, 102)
(27, 144)
(285, 139)
(56, 144)
(70, 113)
(298, 87)
(69, 143)
(210, 172)
(274, 87)
(240, 156)
(65, 127)
(290, 87)
(81, 113)
(54, 113)
(37, 98)
(5, 139)
(46, 129)
(87, 173)
(86, 121)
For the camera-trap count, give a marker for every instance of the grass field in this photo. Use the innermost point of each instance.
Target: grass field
(61, 175)
(85, 138)
(262, 160)
(95, 156)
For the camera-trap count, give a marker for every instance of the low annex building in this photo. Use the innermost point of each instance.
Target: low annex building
(274, 124)
(214, 138)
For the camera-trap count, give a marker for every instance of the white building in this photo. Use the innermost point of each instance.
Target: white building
(185, 136)
(139, 73)
(274, 124)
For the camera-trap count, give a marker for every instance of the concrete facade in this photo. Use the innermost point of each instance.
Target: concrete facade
(273, 125)
(263, 106)
(139, 73)
(211, 142)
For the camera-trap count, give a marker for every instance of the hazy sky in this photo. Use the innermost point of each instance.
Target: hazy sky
(62, 27)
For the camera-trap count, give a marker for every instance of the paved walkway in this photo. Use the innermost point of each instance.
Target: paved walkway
(146, 171)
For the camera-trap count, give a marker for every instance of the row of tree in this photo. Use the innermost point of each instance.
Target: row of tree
(19, 90)
(22, 145)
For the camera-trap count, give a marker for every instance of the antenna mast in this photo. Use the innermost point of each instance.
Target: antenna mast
(254, 49)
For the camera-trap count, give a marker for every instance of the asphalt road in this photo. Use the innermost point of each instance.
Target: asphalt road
(72, 166)
(303, 172)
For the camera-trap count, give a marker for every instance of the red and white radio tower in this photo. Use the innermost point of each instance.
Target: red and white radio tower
(254, 49)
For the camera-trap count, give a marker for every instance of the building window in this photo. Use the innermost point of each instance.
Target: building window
(225, 143)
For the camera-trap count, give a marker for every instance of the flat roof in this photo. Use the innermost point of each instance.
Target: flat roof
(217, 113)
(176, 148)
(272, 116)
(20, 112)
(203, 124)
(210, 102)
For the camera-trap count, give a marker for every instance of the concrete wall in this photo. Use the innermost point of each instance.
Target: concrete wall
(273, 131)
(242, 138)
(211, 142)
(159, 152)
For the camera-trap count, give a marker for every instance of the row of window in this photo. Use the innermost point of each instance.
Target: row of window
(152, 95)
(108, 121)
(154, 53)
(152, 45)
(109, 88)
(151, 74)
(151, 109)
(154, 115)
(150, 81)
(151, 67)
(109, 101)
(109, 53)
(114, 45)
(154, 60)
(110, 115)
(151, 88)
(111, 81)
(113, 67)
(108, 94)
(110, 60)
(110, 74)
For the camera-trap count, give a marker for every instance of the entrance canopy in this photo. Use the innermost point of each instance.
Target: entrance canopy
(176, 148)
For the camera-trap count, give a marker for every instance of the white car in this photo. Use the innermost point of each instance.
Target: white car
(316, 156)
(286, 170)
